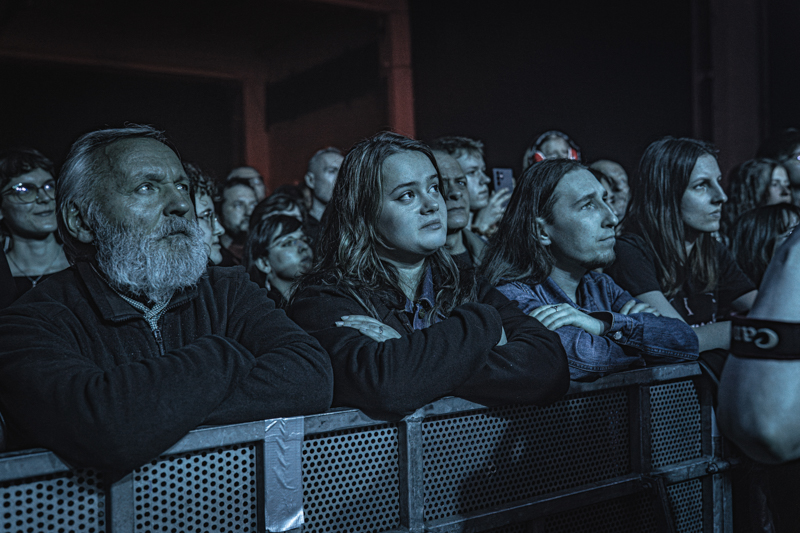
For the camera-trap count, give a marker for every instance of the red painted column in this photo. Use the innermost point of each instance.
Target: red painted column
(256, 138)
(399, 72)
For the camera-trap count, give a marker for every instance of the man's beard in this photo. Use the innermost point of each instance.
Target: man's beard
(150, 264)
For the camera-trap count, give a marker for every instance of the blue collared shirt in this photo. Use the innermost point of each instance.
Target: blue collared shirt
(625, 344)
(419, 311)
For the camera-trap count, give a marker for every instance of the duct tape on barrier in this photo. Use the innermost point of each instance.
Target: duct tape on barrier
(283, 474)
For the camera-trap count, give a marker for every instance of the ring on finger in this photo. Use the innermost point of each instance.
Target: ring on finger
(380, 330)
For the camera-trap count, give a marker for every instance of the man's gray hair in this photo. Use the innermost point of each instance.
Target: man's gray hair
(320, 153)
(84, 168)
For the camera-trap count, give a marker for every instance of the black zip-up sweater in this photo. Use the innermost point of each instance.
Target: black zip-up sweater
(81, 374)
(457, 356)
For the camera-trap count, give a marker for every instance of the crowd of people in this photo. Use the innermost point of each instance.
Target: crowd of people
(143, 298)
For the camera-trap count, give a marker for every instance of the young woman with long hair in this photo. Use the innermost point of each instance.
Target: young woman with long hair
(669, 258)
(758, 233)
(755, 183)
(387, 302)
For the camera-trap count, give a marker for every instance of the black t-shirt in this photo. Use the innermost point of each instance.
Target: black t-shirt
(463, 261)
(635, 271)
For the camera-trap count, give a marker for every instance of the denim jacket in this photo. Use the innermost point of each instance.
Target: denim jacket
(629, 341)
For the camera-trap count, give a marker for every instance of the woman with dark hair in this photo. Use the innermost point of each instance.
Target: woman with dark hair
(387, 302)
(276, 255)
(755, 183)
(669, 258)
(758, 233)
(28, 219)
(205, 190)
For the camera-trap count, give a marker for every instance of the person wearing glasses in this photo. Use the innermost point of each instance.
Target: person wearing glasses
(277, 253)
(28, 219)
(204, 191)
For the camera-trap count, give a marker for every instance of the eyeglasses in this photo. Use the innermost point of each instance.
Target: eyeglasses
(209, 218)
(291, 242)
(26, 193)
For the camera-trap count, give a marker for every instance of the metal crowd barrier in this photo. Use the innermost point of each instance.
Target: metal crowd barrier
(636, 451)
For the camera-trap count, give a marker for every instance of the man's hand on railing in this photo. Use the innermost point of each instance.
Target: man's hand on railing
(372, 328)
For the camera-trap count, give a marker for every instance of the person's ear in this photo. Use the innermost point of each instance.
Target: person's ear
(77, 226)
(540, 230)
(263, 265)
(309, 178)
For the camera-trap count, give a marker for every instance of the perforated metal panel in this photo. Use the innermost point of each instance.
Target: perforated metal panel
(507, 454)
(514, 528)
(60, 503)
(350, 481)
(631, 514)
(213, 490)
(686, 504)
(675, 423)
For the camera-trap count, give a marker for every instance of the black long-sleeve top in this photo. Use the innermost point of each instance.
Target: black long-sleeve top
(457, 356)
(83, 374)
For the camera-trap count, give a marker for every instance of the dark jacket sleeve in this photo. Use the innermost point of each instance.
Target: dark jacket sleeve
(397, 376)
(113, 418)
(292, 375)
(530, 368)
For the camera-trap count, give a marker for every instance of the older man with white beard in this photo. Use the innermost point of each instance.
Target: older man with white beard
(112, 361)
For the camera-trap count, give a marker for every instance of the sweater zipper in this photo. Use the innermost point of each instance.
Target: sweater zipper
(157, 332)
(159, 341)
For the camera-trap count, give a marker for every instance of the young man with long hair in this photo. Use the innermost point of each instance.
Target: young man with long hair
(557, 230)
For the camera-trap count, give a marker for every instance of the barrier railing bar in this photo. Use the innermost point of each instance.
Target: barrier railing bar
(218, 436)
(30, 463)
(665, 523)
(411, 474)
(120, 507)
(540, 506)
(642, 376)
(691, 469)
(340, 418)
(641, 434)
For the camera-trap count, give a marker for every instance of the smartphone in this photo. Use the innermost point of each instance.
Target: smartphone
(503, 178)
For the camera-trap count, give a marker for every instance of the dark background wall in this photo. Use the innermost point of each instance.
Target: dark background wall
(613, 75)
(48, 106)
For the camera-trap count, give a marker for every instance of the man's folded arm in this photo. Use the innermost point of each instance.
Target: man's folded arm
(117, 418)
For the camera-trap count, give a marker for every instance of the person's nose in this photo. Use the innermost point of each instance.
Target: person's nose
(610, 219)
(177, 202)
(484, 178)
(42, 197)
(218, 229)
(454, 194)
(719, 195)
(430, 202)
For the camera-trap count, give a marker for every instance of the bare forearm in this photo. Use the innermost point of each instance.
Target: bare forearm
(714, 336)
